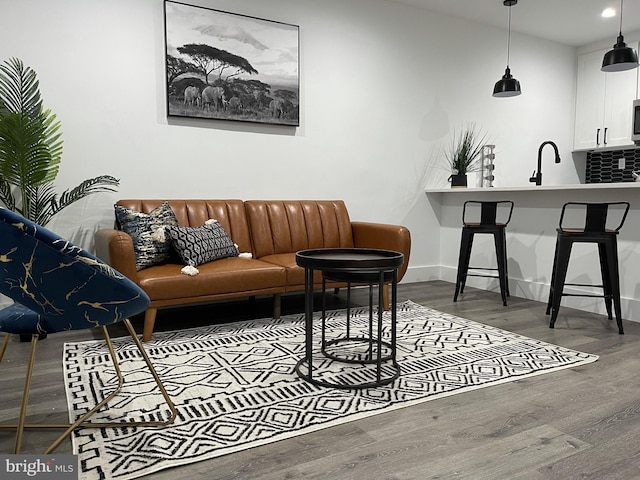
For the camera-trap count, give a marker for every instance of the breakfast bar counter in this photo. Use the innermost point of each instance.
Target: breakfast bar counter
(531, 237)
(598, 187)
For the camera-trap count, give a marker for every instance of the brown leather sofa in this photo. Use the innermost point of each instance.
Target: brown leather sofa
(272, 230)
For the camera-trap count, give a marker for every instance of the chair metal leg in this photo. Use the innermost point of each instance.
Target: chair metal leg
(560, 274)
(553, 276)
(506, 261)
(156, 377)
(614, 277)
(606, 278)
(466, 242)
(7, 338)
(467, 259)
(25, 394)
(501, 255)
(82, 421)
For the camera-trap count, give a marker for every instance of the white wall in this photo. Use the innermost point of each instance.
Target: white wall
(382, 85)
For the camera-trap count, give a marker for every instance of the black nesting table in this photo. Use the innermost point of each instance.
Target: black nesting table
(363, 358)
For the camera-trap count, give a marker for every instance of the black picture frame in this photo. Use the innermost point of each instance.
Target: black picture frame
(227, 66)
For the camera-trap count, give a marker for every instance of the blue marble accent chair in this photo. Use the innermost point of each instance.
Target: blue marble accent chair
(57, 286)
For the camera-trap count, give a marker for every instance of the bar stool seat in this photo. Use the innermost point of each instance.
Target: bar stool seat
(595, 230)
(480, 217)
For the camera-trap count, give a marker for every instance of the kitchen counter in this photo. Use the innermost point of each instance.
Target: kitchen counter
(531, 237)
(541, 188)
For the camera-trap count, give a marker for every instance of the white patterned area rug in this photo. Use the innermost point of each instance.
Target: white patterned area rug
(235, 387)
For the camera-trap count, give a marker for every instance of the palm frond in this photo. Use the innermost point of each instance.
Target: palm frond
(31, 149)
(42, 203)
(19, 88)
(102, 183)
(6, 196)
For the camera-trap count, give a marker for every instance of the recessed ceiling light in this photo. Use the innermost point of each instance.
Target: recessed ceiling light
(609, 12)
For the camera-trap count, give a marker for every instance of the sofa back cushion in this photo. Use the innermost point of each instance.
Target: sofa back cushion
(193, 213)
(286, 226)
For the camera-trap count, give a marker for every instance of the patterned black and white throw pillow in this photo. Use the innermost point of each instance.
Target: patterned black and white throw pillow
(198, 245)
(141, 227)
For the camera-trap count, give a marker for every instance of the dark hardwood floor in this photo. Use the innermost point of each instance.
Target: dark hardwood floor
(579, 423)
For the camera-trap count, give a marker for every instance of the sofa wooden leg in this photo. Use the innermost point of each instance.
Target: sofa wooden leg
(149, 322)
(276, 305)
(385, 297)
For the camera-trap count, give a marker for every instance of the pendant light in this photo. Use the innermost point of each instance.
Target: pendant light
(621, 57)
(507, 86)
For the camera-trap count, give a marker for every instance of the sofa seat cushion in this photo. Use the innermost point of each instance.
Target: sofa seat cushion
(224, 276)
(295, 274)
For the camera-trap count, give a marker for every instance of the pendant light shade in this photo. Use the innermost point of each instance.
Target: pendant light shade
(621, 57)
(507, 86)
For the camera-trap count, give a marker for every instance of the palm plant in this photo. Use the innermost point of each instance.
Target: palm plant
(464, 154)
(31, 150)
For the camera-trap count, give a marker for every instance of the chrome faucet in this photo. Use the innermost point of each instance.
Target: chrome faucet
(537, 177)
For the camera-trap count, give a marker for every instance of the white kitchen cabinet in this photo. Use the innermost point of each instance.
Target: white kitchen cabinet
(603, 103)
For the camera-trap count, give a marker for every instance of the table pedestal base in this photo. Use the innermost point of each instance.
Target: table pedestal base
(353, 362)
(358, 357)
(368, 377)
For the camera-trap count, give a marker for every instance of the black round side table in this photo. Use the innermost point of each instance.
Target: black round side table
(369, 367)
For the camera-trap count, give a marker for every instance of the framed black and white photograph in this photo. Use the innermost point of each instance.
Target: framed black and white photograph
(227, 66)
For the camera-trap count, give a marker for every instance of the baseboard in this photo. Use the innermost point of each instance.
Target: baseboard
(422, 274)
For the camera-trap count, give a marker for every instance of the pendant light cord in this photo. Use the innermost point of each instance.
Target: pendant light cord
(509, 36)
(621, 17)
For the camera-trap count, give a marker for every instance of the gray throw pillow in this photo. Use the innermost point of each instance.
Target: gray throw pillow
(149, 249)
(198, 245)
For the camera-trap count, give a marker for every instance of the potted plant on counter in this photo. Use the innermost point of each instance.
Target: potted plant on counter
(464, 154)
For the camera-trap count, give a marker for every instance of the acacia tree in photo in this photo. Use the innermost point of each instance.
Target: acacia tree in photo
(209, 59)
(287, 97)
(177, 67)
(251, 87)
(285, 94)
(249, 91)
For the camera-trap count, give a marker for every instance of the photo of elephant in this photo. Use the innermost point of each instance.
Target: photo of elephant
(227, 66)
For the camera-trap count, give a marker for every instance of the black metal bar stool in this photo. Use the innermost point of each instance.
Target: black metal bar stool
(482, 217)
(593, 217)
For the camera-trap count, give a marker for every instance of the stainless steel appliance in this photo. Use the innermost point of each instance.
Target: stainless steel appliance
(635, 122)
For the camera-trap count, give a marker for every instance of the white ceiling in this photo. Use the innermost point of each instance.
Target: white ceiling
(572, 22)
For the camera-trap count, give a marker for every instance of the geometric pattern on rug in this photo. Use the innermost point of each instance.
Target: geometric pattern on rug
(234, 384)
